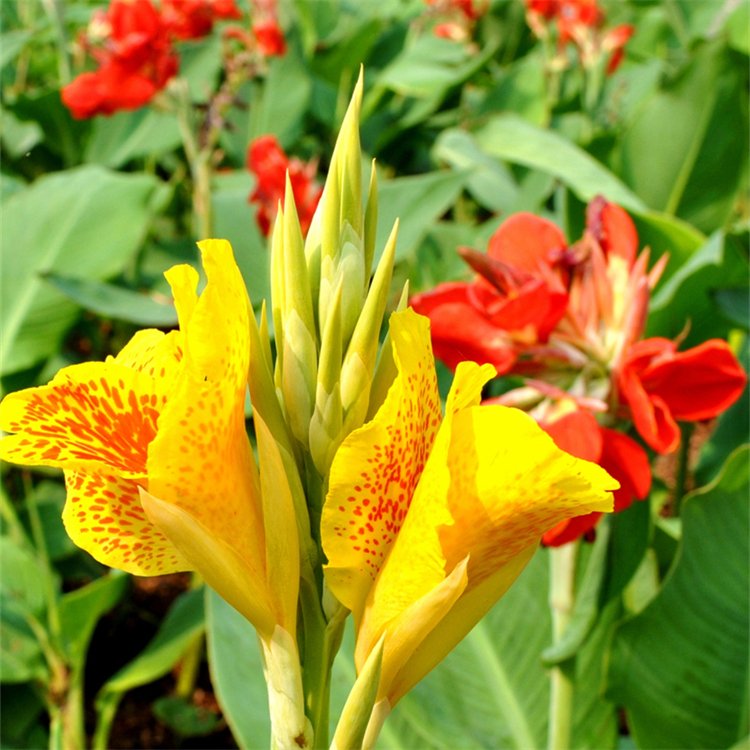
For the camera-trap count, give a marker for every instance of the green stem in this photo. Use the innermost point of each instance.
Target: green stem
(40, 545)
(562, 597)
(683, 467)
(199, 160)
(321, 641)
(56, 14)
(192, 656)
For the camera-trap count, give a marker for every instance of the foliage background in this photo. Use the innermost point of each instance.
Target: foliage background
(465, 133)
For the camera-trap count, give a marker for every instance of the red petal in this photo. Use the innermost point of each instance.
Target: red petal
(629, 464)
(570, 530)
(613, 229)
(577, 433)
(699, 383)
(526, 242)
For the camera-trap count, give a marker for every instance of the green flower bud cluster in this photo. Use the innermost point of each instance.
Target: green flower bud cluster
(328, 307)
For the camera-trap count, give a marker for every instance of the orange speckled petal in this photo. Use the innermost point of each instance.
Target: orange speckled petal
(417, 563)
(103, 515)
(99, 416)
(377, 467)
(201, 460)
(155, 354)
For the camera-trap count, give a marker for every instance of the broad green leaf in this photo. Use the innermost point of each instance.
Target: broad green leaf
(667, 234)
(124, 136)
(735, 305)
(11, 44)
(629, 539)
(686, 295)
(88, 221)
(732, 429)
(492, 690)
(183, 624)
(680, 667)
(184, 718)
(111, 301)
(22, 709)
(514, 140)
(587, 604)
(49, 498)
(237, 673)
(678, 153)
(490, 182)
(22, 584)
(234, 220)
(184, 621)
(418, 202)
(520, 88)
(81, 609)
(429, 66)
(21, 658)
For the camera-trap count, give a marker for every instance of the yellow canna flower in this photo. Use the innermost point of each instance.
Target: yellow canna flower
(160, 473)
(428, 520)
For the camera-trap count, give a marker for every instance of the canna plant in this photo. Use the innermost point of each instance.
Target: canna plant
(359, 495)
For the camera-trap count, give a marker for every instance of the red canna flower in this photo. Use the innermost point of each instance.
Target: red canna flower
(579, 434)
(136, 61)
(517, 299)
(268, 162)
(193, 19)
(661, 386)
(269, 37)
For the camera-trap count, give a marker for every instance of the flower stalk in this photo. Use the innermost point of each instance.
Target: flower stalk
(561, 600)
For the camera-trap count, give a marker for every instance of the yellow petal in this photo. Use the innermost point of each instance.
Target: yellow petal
(201, 460)
(406, 631)
(509, 483)
(417, 562)
(155, 354)
(98, 416)
(280, 526)
(377, 467)
(223, 568)
(103, 515)
(183, 280)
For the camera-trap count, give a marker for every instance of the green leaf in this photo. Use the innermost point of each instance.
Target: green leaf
(686, 296)
(429, 66)
(11, 44)
(587, 601)
(124, 136)
(21, 658)
(49, 498)
(514, 140)
(184, 718)
(81, 609)
(418, 202)
(734, 305)
(490, 182)
(117, 302)
(680, 667)
(237, 672)
(184, 621)
(493, 688)
(85, 219)
(678, 153)
(22, 584)
(234, 220)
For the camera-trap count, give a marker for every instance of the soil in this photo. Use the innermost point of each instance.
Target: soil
(118, 639)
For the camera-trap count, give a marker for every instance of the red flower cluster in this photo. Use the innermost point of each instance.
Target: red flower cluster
(582, 23)
(457, 17)
(573, 316)
(270, 165)
(133, 43)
